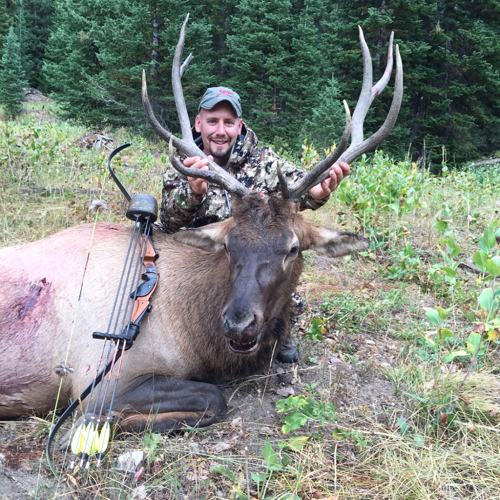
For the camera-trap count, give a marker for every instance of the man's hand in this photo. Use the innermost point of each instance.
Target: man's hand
(337, 173)
(198, 186)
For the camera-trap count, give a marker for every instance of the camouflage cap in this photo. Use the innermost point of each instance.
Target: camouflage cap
(215, 95)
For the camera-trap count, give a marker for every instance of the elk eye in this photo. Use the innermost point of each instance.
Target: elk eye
(225, 247)
(294, 251)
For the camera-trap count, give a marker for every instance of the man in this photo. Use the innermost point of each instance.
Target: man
(229, 142)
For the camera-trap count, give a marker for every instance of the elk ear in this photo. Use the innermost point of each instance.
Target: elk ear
(207, 237)
(333, 243)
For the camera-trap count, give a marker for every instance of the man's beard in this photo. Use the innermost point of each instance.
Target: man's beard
(217, 152)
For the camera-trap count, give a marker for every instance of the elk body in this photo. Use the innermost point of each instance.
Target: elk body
(216, 316)
(221, 308)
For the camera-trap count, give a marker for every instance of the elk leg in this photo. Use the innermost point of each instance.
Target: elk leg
(163, 403)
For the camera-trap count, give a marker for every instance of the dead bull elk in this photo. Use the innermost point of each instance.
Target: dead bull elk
(221, 306)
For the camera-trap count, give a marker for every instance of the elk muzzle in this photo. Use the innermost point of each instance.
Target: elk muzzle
(243, 327)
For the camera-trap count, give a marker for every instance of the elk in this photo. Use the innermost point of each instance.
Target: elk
(221, 307)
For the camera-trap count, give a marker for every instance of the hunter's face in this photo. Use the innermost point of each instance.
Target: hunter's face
(219, 128)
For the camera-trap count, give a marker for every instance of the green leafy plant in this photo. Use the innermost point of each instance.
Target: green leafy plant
(356, 436)
(486, 260)
(316, 329)
(151, 443)
(300, 410)
(272, 463)
(379, 195)
(408, 266)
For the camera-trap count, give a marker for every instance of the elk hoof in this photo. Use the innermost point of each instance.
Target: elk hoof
(288, 351)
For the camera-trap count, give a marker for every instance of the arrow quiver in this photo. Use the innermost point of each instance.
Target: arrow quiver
(142, 209)
(132, 301)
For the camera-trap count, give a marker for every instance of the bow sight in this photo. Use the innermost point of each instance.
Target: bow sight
(130, 305)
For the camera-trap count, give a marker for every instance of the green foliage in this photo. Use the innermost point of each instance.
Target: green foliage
(326, 124)
(273, 50)
(451, 60)
(377, 187)
(151, 442)
(272, 463)
(474, 348)
(291, 62)
(300, 410)
(355, 436)
(5, 22)
(35, 19)
(316, 329)
(449, 269)
(12, 76)
(408, 266)
(93, 40)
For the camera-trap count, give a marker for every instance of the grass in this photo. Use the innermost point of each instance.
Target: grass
(431, 429)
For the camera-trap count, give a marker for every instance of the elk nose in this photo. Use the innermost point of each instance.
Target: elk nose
(239, 326)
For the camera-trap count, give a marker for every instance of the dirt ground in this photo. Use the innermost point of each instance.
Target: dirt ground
(355, 390)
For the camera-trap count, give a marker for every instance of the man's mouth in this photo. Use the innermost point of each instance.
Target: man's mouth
(219, 143)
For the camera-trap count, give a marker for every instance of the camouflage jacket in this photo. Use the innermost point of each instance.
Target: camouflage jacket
(253, 166)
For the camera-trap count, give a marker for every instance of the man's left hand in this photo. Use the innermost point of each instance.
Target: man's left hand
(337, 173)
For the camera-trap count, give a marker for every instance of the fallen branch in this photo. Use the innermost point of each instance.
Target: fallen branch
(485, 162)
(53, 190)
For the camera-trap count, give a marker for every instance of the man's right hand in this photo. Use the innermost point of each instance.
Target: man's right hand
(198, 186)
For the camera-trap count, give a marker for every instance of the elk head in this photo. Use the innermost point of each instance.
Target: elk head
(265, 237)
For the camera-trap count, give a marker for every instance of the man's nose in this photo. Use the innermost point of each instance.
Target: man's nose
(220, 128)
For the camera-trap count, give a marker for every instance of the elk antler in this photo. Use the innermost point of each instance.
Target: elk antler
(358, 146)
(187, 146)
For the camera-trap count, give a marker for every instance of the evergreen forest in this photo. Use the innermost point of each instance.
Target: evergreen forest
(291, 61)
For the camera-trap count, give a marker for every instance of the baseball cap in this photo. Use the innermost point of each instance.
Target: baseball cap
(214, 95)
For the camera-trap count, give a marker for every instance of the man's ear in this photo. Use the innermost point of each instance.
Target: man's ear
(197, 124)
(207, 237)
(333, 243)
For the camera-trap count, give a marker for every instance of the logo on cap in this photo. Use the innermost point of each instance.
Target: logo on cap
(225, 92)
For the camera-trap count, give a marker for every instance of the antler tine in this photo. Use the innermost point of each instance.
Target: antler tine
(285, 193)
(320, 172)
(368, 92)
(185, 64)
(357, 149)
(186, 145)
(180, 103)
(381, 84)
(358, 146)
(187, 149)
(365, 97)
(227, 182)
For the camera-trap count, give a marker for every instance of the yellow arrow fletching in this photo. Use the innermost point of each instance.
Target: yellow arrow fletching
(101, 440)
(91, 436)
(76, 441)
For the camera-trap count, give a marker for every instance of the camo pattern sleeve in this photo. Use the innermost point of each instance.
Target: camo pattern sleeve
(251, 165)
(269, 163)
(180, 207)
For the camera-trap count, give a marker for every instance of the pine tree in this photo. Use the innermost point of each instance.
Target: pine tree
(12, 76)
(97, 51)
(35, 17)
(327, 120)
(451, 58)
(274, 62)
(5, 22)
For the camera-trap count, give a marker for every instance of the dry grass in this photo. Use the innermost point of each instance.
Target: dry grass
(360, 456)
